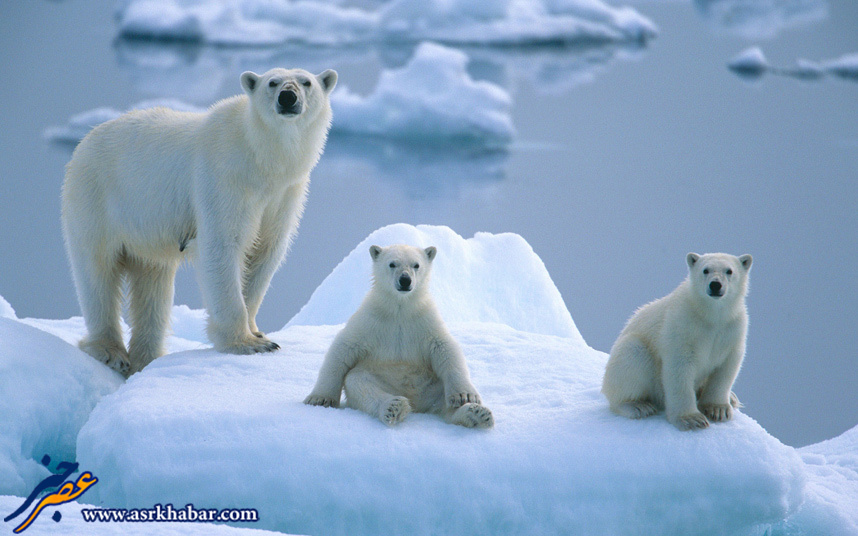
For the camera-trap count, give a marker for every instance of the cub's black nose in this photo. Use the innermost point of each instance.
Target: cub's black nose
(715, 288)
(404, 282)
(287, 98)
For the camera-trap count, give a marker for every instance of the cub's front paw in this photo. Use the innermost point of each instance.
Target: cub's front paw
(457, 400)
(717, 412)
(691, 421)
(325, 401)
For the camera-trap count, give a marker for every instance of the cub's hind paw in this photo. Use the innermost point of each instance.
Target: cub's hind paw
(396, 411)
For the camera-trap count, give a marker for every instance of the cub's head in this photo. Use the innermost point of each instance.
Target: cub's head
(401, 270)
(718, 276)
(289, 95)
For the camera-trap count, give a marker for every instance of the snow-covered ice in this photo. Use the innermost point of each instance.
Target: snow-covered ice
(268, 22)
(224, 431)
(749, 62)
(431, 98)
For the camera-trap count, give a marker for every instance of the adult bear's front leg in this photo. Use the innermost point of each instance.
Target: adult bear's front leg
(223, 242)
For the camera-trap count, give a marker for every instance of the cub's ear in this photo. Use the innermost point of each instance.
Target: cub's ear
(328, 80)
(746, 261)
(249, 81)
(374, 252)
(430, 252)
(692, 259)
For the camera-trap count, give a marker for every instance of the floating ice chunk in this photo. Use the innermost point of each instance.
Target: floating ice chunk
(47, 389)
(487, 278)
(256, 22)
(79, 125)
(431, 98)
(845, 66)
(750, 62)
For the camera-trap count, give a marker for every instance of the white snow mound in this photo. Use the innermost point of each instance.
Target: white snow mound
(488, 278)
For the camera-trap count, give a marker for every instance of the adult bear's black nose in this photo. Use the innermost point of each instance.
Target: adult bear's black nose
(404, 283)
(287, 98)
(715, 288)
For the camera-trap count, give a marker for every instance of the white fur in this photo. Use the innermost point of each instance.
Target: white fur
(682, 353)
(227, 187)
(395, 354)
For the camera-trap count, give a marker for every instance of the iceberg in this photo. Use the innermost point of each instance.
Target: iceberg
(224, 431)
(752, 63)
(271, 22)
(431, 98)
(761, 19)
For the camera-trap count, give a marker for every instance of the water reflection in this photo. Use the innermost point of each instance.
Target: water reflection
(761, 19)
(419, 170)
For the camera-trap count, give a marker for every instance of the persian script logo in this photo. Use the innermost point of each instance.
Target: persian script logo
(67, 491)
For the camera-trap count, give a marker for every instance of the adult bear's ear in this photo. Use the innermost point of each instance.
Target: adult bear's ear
(328, 80)
(430, 252)
(692, 259)
(374, 252)
(746, 261)
(249, 81)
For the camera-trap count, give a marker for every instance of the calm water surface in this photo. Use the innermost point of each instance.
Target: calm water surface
(625, 160)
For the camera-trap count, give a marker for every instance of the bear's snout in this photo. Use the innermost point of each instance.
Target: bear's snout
(288, 103)
(715, 289)
(404, 283)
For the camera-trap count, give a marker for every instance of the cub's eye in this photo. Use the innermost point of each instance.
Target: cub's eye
(416, 266)
(392, 265)
(307, 83)
(706, 271)
(729, 271)
(273, 83)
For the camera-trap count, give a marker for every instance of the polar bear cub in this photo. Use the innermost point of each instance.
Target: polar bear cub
(682, 353)
(226, 187)
(395, 354)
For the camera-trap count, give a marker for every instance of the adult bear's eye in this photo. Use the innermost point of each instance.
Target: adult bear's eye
(416, 266)
(273, 83)
(307, 83)
(393, 265)
(729, 271)
(706, 271)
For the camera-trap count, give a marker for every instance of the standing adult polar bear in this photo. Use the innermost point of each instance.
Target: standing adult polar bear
(682, 353)
(226, 187)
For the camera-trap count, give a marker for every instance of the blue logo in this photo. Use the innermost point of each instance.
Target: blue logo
(66, 491)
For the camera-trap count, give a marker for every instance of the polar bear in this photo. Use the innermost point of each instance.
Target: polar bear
(395, 354)
(681, 353)
(225, 188)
